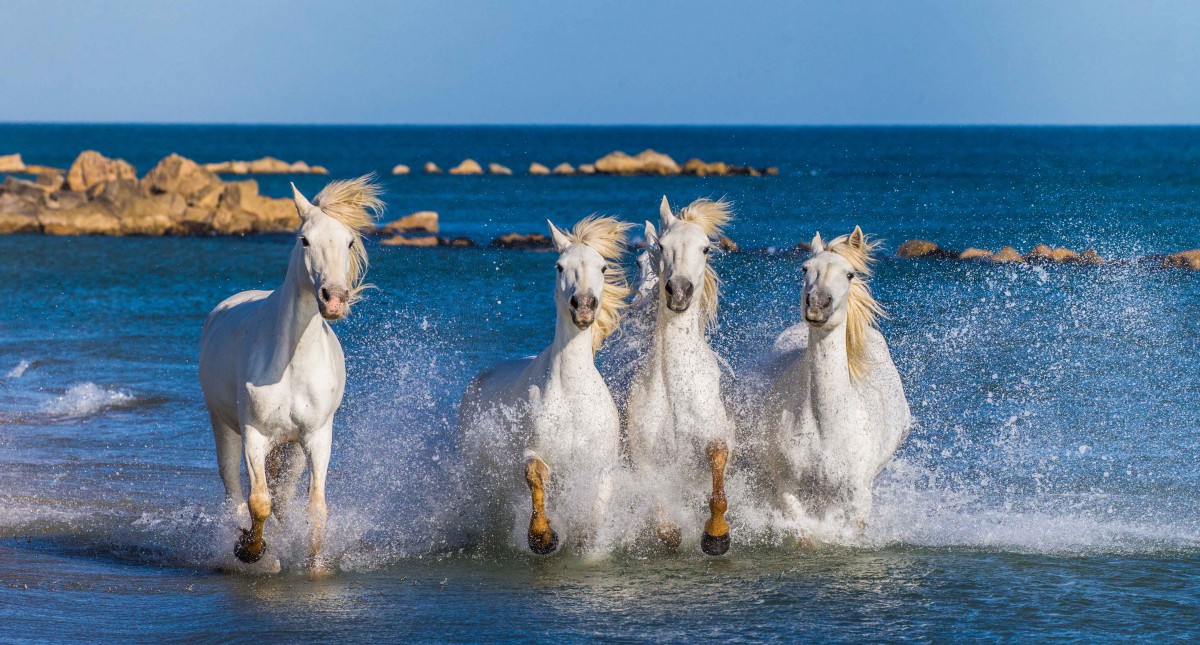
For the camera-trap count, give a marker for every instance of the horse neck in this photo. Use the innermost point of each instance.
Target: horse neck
(295, 308)
(571, 354)
(828, 366)
(679, 331)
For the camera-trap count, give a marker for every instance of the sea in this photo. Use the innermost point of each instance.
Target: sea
(1048, 489)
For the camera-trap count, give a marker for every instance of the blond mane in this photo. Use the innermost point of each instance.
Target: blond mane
(711, 216)
(353, 203)
(863, 312)
(606, 236)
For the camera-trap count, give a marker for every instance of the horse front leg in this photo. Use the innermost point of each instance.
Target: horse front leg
(716, 529)
(250, 546)
(317, 446)
(542, 539)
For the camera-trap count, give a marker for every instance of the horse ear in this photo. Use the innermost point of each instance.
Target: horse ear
(857, 239)
(664, 212)
(651, 236)
(817, 244)
(303, 206)
(561, 241)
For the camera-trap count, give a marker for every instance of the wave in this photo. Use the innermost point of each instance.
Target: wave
(19, 370)
(86, 399)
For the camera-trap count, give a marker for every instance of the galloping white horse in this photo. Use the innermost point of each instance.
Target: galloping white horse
(272, 370)
(676, 418)
(837, 411)
(551, 415)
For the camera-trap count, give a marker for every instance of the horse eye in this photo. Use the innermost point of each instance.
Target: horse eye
(707, 249)
(351, 244)
(304, 240)
(803, 269)
(604, 269)
(559, 267)
(850, 276)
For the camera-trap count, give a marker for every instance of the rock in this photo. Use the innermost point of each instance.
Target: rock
(1040, 253)
(33, 169)
(924, 249)
(269, 166)
(497, 169)
(1090, 256)
(1062, 255)
(974, 253)
(195, 221)
(534, 241)
(25, 189)
(92, 218)
(66, 199)
(91, 168)
(18, 223)
(1007, 254)
(467, 167)
(586, 169)
(421, 221)
(300, 168)
(318, 170)
(400, 169)
(11, 163)
(420, 240)
(656, 163)
(432, 168)
(458, 242)
(1183, 260)
(176, 174)
(538, 169)
(617, 163)
(154, 215)
(239, 167)
(53, 181)
(564, 168)
(242, 210)
(771, 171)
(726, 244)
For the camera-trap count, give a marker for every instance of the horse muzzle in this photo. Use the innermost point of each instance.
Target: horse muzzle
(679, 294)
(818, 306)
(583, 310)
(333, 302)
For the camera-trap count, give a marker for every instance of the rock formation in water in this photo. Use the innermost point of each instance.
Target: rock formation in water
(467, 167)
(265, 166)
(418, 222)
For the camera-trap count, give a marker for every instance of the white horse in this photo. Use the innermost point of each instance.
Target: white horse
(679, 431)
(272, 370)
(551, 416)
(837, 411)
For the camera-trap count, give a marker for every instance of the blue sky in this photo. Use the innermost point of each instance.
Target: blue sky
(695, 62)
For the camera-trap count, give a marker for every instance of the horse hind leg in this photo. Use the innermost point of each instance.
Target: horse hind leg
(229, 462)
(716, 529)
(285, 464)
(542, 539)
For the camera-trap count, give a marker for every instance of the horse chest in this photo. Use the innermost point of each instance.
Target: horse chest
(301, 398)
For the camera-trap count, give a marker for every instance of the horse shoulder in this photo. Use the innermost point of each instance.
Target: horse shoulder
(883, 388)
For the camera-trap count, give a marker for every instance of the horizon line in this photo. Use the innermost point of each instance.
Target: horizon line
(601, 125)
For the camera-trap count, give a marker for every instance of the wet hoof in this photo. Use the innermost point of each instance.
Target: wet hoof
(247, 551)
(671, 537)
(542, 546)
(713, 545)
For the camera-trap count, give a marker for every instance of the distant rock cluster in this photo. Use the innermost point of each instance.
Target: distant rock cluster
(265, 166)
(1040, 254)
(102, 196)
(646, 162)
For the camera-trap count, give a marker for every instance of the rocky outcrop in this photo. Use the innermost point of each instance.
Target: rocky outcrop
(533, 241)
(727, 245)
(1006, 255)
(432, 168)
(102, 196)
(421, 221)
(647, 162)
(400, 169)
(1183, 260)
(975, 254)
(467, 167)
(91, 168)
(586, 169)
(536, 168)
(427, 241)
(924, 249)
(564, 168)
(497, 169)
(265, 166)
(11, 163)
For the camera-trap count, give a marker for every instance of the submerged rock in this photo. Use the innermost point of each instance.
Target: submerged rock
(423, 221)
(432, 168)
(400, 169)
(533, 241)
(536, 168)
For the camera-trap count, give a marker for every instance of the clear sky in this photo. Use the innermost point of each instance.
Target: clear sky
(566, 61)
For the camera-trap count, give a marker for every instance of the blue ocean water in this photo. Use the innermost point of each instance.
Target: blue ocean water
(1048, 488)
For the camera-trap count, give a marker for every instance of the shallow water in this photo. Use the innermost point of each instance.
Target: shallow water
(1047, 487)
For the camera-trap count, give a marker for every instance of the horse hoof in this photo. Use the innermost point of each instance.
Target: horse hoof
(543, 547)
(245, 552)
(713, 545)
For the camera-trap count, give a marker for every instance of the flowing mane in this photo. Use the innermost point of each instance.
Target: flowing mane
(863, 312)
(711, 216)
(355, 204)
(606, 236)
